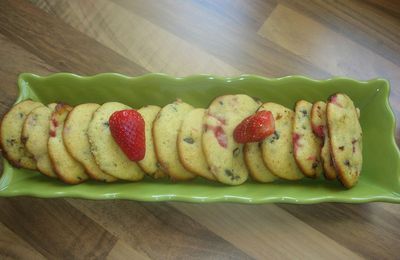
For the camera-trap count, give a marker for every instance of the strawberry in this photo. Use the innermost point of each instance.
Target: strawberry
(127, 129)
(255, 128)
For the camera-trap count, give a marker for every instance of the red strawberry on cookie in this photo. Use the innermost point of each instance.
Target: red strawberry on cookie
(255, 128)
(128, 130)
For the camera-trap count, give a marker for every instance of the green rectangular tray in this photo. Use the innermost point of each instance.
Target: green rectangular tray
(380, 177)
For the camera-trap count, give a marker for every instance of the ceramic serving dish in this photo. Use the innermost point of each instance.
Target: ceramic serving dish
(380, 177)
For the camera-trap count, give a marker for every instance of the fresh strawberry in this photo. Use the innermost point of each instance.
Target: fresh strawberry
(127, 129)
(255, 128)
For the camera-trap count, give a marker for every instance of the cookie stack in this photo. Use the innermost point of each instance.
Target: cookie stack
(75, 144)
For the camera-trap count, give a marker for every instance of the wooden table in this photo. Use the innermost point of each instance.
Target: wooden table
(359, 39)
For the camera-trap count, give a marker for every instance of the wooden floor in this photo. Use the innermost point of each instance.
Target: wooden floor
(274, 38)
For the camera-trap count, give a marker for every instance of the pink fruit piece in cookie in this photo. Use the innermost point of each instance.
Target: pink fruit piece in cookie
(54, 122)
(319, 130)
(219, 134)
(53, 127)
(334, 100)
(295, 139)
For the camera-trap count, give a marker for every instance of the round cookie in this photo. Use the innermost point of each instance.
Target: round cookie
(190, 149)
(65, 166)
(149, 163)
(277, 149)
(165, 136)
(77, 143)
(306, 145)
(318, 123)
(223, 154)
(35, 134)
(345, 135)
(108, 155)
(254, 162)
(10, 135)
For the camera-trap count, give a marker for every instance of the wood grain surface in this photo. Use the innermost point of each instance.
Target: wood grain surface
(354, 38)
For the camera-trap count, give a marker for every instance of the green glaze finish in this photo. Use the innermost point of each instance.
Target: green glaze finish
(380, 177)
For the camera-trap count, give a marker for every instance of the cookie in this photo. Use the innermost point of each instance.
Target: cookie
(10, 135)
(77, 143)
(306, 145)
(318, 119)
(277, 149)
(318, 124)
(35, 135)
(165, 136)
(149, 163)
(223, 154)
(190, 149)
(107, 154)
(345, 136)
(65, 166)
(254, 162)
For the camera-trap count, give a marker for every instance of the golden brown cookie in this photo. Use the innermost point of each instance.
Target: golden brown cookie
(77, 142)
(277, 149)
(190, 149)
(65, 166)
(108, 155)
(10, 135)
(318, 123)
(345, 135)
(306, 145)
(35, 134)
(165, 136)
(223, 154)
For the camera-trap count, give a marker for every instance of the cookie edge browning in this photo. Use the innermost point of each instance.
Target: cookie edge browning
(299, 164)
(3, 150)
(53, 163)
(328, 173)
(23, 135)
(340, 174)
(312, 113)
(87, 171)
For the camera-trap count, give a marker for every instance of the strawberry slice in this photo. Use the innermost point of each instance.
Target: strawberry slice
(255, 128)
(128, 130)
